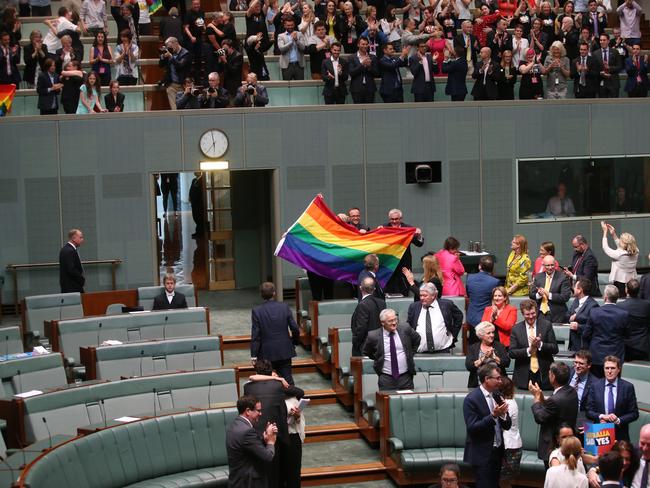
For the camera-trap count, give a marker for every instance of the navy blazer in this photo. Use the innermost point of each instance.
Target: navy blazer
(637, 334)
(626, 408)
(456, 74)
(587, 267)
(633, 72)
(480, 428)
(604, 333)
(379, 291)
(390, 81)
(362, 79)
(47, 100)
(575, 336)
(417, 70)
(519, 352)
(328, 83)
(71, 272)
(479, 288)
(560, 290)
(270, 332)
(450, 313)
(586, 392)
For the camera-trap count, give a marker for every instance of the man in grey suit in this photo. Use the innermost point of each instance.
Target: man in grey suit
(249, 452)
(552, 290)
(392, 348)
(292, 44)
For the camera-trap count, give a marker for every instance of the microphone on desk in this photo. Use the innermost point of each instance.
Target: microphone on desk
(165, 328)
(20, 381)
(209, 392)
(194, 357)
(102, 408)
(49, 434)
(154, 403)
(99, 330)
(141, 356)
(4, 461)
(427, 377)
(6, 346)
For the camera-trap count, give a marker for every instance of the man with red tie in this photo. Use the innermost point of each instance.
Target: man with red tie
(422, 67)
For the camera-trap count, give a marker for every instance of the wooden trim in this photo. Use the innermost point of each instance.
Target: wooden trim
(207, 316)
(342, 474)
(23, 317)
(236, 342)
(313, 313)
(52, 333)
(221, 354)
(296, 287)
(88, 357)
(13, 412)
(331, 432)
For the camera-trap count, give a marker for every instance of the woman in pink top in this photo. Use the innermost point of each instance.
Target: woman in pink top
(452, 268)
(545, 248)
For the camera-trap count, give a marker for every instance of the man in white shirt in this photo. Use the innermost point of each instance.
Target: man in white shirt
(63, 23)
(169, 298)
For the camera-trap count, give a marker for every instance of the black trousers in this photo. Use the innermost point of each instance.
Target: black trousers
(169, 185)
(363, 97)
(396, 97)
(336, 98)
(52, 111)
(283, 368)
(45, 11)
(387, 382)
(321, 287)
(635, 354)
(428, 94)
(290, 462)
(458, 98)
(487, 475)
(293, 72)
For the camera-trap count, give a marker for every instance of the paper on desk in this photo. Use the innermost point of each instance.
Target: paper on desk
(40, 350)
(127, 419)
(28, 394)
(111, 342)
(403, 391)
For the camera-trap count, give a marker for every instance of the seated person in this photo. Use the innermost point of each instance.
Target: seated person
(169, 298)
(560, 205)
(449, 476)
(251, 93)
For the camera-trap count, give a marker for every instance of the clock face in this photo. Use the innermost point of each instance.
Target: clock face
(213, 143)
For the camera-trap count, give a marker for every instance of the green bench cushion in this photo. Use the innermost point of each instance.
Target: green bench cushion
(217, 476)
(39, 308)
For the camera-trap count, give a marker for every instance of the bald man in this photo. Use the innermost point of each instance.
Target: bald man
(552, 290)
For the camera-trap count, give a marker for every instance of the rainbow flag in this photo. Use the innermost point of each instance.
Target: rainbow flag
(319, 242)
(155, 6)
(7, 93)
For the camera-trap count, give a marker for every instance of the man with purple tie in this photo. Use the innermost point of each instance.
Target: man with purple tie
(392, 348)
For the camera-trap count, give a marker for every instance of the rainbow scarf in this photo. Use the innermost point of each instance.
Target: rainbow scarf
(7, 93)
(319, 242)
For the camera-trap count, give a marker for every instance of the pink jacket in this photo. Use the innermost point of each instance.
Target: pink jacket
(452, 270)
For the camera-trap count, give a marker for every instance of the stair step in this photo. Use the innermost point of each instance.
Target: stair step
(236, 342)
(332, 432)
(347, 473)
(321, 397)
(306, 365)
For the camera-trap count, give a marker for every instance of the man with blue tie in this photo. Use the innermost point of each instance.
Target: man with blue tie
(486, 417)
(391, 90)
(578, 313)
(613, 400)
(479, 291)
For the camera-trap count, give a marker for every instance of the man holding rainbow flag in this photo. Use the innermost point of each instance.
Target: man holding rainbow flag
(7, 93)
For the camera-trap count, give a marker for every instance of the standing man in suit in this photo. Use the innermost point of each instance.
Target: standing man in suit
(391, 90)
(437, 321)
(71, 272)
(292, 44)
(584, 71)
(594, 20)
(610, 66)
(370, 267)
(397, 282)
(486, 417)
(578, 313)
(366, 315)
(455, 67)
(605, 331)
(582, 380)
(532, 345)
(422, 66)
(48, 87)
(549, 413)
(552, 291)
(479, 288)
(466, 45)
(334, 72)
(169, 298)
(392, 348)
(271, 393)
(583, 265)
(9, 59)
(637, 342)
(637, 74)
(613, 399)
(270, 338)
(486, 75)
(364, 68)
(249, 453)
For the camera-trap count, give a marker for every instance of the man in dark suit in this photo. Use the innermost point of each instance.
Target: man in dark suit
(594, 20)
(584, 71)
(467, 46)
(582, 380)
(423, 68)
(560, 407)
(532, 345)
(479, 291)
(578, 313)
(397, 282)
(390, 89)
(270, 338)
(392, 348)
(370, 267)
(364, 68)
(584, 265)
(499, 40)
(334, 72)
(637, 83)
(486, 75)
(48, 87)
(271, 393)
(169, 298)
(552, 291)
(366, 315)
(637, 342)
(232, 62)
(71, 272)
(613, 399)
(9, 59)
(611, 64)
(249, 453)
(456, 71)
(486, 417)
(436, 320)
(605, 331)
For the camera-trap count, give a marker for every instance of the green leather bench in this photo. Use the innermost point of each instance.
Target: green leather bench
(638, 373)
(10, 340)
(40, 308)
(154, 357)
(31, 373)
(68, 409)
(146, 294)
(342, 381)
(132, 327)
(187, 449)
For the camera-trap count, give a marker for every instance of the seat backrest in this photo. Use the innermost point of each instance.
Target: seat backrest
(32, 373)
(91, 331)
(401, 306)
(335, 313)
(562, 336)
(303, 295)
(10, 341)
(528, 428)
(345, 349)
(40, 308)
(146, 294)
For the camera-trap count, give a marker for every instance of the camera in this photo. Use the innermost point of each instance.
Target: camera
(163, 50)
(250, 89)
(211, 90)
(221, 52)
(196, 91)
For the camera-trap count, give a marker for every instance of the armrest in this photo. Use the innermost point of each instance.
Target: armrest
(304, 314)
(395, 444)
(367, 404)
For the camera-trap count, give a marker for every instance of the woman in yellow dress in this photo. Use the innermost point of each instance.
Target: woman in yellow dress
(517, 267)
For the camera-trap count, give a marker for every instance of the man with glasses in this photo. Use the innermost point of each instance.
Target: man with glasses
(397, 283)
(582, 380)
(486, 417)
(552, 291)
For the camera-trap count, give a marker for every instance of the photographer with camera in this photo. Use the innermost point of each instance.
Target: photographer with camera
(231, 62)
(215, 96)
(191, 96)
(256, 61)
(178, 61)
(251, 94)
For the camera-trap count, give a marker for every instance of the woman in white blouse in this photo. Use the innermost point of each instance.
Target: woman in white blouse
(511, 438)
(624, 257)
(566, 475)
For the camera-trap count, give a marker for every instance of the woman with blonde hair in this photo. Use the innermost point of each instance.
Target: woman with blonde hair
(624, 257)
(557, 69)
(432, 274)
(486, 351)
(566, 474)
(517, 267)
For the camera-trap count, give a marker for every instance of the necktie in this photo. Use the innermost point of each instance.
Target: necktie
(644, 476)
(498, 435)
(605, 56)
(534, 362)
(576, 385)
(547, 286)
(394, 368)
(583, 79)
(429, 329)
(610, 398)
(468, 49)
(595, 16)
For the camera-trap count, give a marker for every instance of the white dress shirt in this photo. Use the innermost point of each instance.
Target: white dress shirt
(442, 339)
(401, 355)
